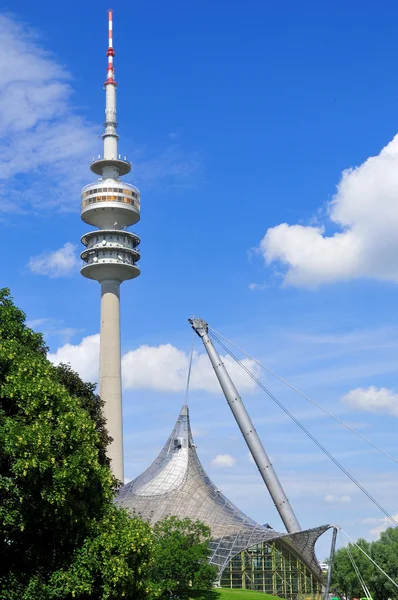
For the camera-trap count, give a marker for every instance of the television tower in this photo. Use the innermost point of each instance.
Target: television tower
(111, 256)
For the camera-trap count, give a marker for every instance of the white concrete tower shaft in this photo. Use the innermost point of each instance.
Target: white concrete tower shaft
(110, 381)
(111, 256)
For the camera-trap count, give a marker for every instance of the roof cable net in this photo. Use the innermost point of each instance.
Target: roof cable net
(215, 333)
(177, 484)
(308, 433)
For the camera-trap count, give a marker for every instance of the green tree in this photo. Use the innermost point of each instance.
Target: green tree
(112, 563)
(90, 401)
(384, 552)
(344, 577)
(181, 556)
(61, 536)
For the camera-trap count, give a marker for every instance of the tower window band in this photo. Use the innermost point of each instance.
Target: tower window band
(123, 191)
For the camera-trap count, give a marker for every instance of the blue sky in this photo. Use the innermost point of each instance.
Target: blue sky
(251, 127)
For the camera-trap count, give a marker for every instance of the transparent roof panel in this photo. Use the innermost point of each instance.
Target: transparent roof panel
(176, 484)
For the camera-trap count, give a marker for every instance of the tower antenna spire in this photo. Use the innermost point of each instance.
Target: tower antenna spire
(110, 136)
(111, 255)
(110, 52)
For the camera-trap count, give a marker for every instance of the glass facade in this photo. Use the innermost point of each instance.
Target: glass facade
(272, 568)
(125, 195)
(100, 190)
(95, 199)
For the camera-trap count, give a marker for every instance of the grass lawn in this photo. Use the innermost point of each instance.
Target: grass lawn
(228, 594)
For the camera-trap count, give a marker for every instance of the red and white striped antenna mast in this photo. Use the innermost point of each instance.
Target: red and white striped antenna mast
(110, 52)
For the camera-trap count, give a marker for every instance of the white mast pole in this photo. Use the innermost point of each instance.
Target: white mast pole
(248, 431)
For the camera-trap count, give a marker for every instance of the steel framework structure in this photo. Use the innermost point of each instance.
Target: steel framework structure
(177, 484)
(272, 568)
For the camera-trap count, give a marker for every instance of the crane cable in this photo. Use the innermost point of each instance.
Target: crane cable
(213, 331)
(305, 430)
(189, 368)
(370, 558)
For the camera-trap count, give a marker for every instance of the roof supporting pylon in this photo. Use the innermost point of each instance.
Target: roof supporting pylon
(248, 430)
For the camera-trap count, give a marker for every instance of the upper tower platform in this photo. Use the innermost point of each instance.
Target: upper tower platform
(109, 203)
(114, 166)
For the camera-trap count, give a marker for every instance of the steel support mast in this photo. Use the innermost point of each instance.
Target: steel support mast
(331, 563)
(248, 431)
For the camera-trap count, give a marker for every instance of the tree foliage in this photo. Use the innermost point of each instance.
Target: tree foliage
(384, 552)
(181, 556)
(60, 534)
(114, 562)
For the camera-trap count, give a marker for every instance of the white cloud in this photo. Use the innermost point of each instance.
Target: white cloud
(162, 368)
(41, 134)
(173, 167)
(371, 521)
(44, 137)
(198, 433)
(381, 524)
(365, 211)
(38, 323)
(373, 399)
(83, 357)
(52, 327)
(165, 367)
(223, 460)
(258, 286)
(337, 499)
(59, 263)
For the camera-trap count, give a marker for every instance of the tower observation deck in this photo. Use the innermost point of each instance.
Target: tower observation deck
(111, 255)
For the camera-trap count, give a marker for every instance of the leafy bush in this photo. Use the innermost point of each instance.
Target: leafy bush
(60, 534)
